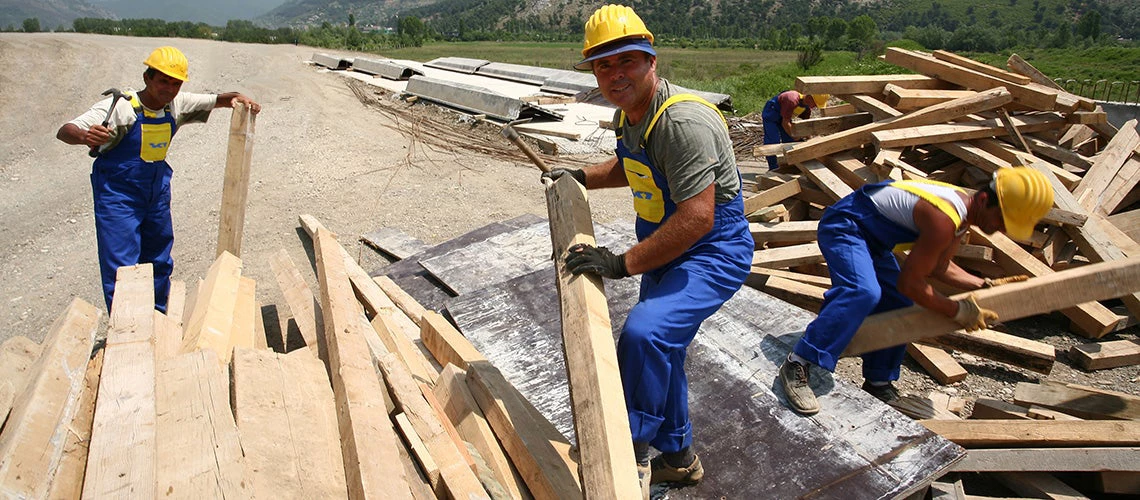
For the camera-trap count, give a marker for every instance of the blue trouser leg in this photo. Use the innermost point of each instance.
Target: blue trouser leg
(117, 221)
(774, 132)
(863, 282)
(157, 237)
(651, 348)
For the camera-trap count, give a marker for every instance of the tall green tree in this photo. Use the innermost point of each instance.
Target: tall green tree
(1089, 25)
(861, 32)
(31, 25)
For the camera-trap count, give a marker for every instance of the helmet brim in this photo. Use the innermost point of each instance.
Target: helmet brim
(616, 47)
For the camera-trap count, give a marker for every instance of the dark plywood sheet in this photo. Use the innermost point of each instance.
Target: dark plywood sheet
(507, 255)
(416, 281)
(748, 440)
(393, 242)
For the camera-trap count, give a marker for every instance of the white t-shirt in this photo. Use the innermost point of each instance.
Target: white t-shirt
(187, 107)
(898, 205)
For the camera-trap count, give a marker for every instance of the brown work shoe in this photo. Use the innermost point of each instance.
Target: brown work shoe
(665, 473)
(794, 379)
(644, 476)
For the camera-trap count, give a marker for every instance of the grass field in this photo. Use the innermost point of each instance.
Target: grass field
(752, 77)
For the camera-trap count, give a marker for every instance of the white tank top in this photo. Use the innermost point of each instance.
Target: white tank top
(898, 205)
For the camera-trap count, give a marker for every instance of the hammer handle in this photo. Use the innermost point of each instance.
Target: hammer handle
(513, 136)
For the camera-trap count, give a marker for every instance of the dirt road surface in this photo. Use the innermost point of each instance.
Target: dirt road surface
(317, 150)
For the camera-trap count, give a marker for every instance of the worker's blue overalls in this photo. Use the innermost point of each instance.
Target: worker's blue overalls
(857, 242)
(673, 301)
(774, 132)
(131, 186)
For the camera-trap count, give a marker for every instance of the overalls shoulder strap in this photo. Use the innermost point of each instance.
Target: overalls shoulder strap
(661, 110)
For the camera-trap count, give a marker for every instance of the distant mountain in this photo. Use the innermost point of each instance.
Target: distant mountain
(212, 12)
(51, 13)
(300, 13)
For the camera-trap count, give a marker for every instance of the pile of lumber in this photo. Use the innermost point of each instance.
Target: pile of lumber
(958, 121)
(384, 399)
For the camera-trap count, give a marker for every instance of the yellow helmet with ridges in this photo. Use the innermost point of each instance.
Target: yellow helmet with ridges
(170, 61)
(613, 22)
(1025, 196)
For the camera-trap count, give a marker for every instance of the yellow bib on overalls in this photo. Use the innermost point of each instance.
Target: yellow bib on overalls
(912, 186)
(155, 136)
(648, 198)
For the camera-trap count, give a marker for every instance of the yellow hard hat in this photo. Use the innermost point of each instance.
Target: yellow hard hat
(820, 100)
(1025, 195)
(613, 22)
(170, 61)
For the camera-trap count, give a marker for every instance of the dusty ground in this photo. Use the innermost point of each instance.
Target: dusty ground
(317, 150)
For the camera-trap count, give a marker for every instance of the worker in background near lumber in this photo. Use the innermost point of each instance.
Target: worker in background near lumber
(857, 236)
(130, 179)
(778, 113)
(694, 248)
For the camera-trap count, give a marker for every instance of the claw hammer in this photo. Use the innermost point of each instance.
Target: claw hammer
(115, 96)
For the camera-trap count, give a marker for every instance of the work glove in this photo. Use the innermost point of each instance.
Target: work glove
(971, 316)
(990, 283)
(584, 258)
(557, 173)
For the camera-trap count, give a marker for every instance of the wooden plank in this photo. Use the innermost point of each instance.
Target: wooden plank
(803, 295)
(1050, 150)
(458, 480)
(1118, 192)
(167, 337)
(302, 304)
(1002, 347)
(201, 456)
(810, 279)
(235, 186)
(607, 466)
(864, 84)
(789, 256)
(1129, 222)
(420, 452)
(68, 480)
(828, 125)
(36, 433)
(393, 242)
(966, 62)
(460, 407)
(405, 302)
(260, 336)
(783, 232)
(368, 441)
(1107, 163)
(1036, 433)
(1056, 291)
(996, 409)
(1042, 100)
(879, 110)
(1078, 402)
(827, 180)
(446, 343)
(961, 131)
(536, 448)
(904, 99)
(245, 311)
(1051, 460)
(1102, 355)
(286, 418)
(121, 456)
(938, 363)
(17, 355)
(1037, 485)
(211, 322)
(176, 301)
(1090, 318)
(1016, 63)
(771, 196)
(938, 113)
(396, 342)
(851, 169)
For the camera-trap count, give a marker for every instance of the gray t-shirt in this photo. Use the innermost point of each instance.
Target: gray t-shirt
(689, 144)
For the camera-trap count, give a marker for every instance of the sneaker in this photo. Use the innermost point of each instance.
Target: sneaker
(665, 473)
(885, 393)
(644, 476)
(794, 378)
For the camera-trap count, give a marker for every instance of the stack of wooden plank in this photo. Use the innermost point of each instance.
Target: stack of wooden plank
(958, 121)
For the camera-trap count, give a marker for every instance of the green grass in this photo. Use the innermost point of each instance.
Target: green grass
(752, 77)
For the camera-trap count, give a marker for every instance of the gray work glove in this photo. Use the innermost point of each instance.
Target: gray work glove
(584, 258)
(557, 173)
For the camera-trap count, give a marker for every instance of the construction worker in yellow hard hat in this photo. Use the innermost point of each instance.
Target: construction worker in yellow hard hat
(778, 113)
(694, 248)
(857, 236)
(129, 133)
